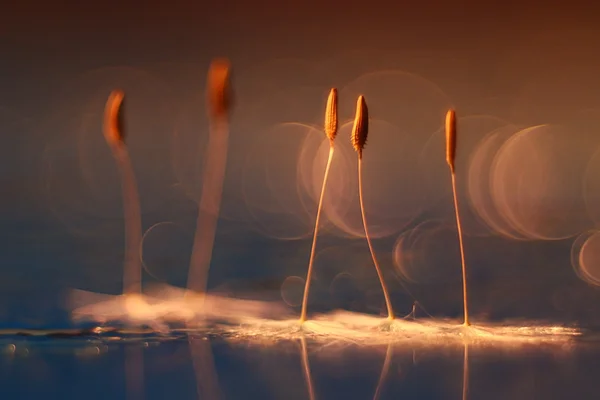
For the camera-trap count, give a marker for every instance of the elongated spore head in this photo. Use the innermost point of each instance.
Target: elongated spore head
(331, 115)
(360, 130)
(451, 138)
(219, 93)
(114, 130)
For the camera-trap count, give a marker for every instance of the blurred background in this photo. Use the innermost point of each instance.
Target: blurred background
(522, 77)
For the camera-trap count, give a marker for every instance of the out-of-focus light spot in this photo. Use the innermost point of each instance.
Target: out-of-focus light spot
(428, 253)
(10, 349)
(391, 189)
(479, 182)
(472, 132)
(272, 183)
(407, 101)
(292, 290)
(585, 257)
(165, 251)
(533, 187)
(591, 186)
(91, 351)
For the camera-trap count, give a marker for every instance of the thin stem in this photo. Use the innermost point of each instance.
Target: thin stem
(207, 382)
(384, 371)
(314, 241)
(367, 236)
(306, 369)
(462, 251)
(465, 387)
(134, 372)
(132, 268)
(209, 206)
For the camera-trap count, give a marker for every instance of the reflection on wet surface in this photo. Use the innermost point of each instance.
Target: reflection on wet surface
(135, 366)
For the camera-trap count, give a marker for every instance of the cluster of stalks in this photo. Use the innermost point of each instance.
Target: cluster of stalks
(219, 103)
(358, 138)
(360, 131)
(218, 108)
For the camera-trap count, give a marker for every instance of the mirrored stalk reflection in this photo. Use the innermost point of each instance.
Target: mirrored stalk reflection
(134, 372)
(465, 383)
(306, 368)
(384, 371)
(207, 382)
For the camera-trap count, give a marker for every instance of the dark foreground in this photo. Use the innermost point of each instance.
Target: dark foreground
(178, 367)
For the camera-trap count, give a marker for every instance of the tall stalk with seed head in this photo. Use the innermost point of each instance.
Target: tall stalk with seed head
(219, 101)
(114, 134)
(450, 158)
(360, 131)
(115, 137)
(331, 126)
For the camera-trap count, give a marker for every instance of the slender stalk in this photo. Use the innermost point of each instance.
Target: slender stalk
(306, 369)
(367, 236)
(115, 137)
(218, 107)
(209, 206)
(331, 126)
(384, 371)
(314, 241)
(462, 251)
(134, 372)
(132, 268)
(207, 382)
(450, 159)
(465, 387)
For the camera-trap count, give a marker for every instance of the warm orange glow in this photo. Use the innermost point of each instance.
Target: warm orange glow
(219, 88)
(450, 156)
(113, 118)
(360, 129)
(451, 138)
(331, 115)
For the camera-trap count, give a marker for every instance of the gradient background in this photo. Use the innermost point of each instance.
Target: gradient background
(61, 228)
